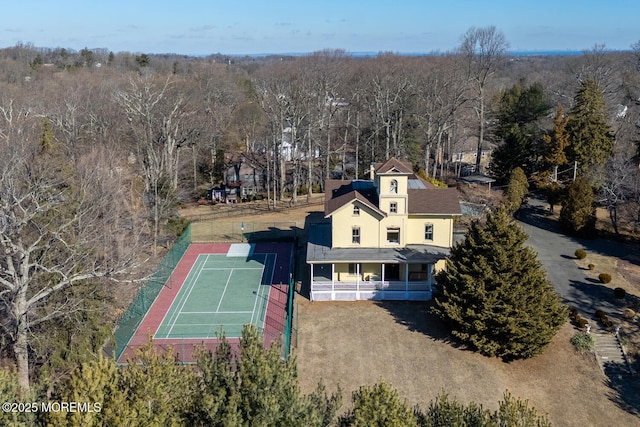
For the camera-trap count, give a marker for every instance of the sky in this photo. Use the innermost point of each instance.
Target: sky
(203, 27)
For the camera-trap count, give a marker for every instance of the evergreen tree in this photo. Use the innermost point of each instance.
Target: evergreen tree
(217, 404)
(590, 137)
(379, 406)
(159, 390)
(578, 211)
(494, 293)
(95, 382)
(516, 191)
(11, 392)
(555, 145)
(444, 412)
(519, 109)
(515, 412)
(514, 151)
(268, 386)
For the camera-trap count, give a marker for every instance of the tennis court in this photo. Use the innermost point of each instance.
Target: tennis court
(221, 292)
(214, 287)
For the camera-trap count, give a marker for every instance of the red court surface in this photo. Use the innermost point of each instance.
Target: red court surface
(185, 350)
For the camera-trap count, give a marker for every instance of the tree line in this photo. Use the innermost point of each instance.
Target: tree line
(252, 388)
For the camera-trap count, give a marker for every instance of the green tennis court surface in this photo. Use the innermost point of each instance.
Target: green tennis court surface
(220, 292)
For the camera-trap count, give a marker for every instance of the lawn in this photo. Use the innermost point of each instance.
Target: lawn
(358, 343)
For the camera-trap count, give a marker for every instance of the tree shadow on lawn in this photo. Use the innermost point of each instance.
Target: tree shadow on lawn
(417, 317)
(625, 389)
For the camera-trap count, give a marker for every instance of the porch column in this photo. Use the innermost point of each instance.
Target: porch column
(357, 280)
(333, 281)
(406, 281)
(311, 281)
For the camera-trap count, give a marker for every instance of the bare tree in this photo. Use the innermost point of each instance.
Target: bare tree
(483, 51)
(57, 230)
(441, 92)
(389, 96)
(158, 117)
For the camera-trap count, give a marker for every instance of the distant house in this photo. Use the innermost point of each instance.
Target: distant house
(467, 153)
(244, 175)
(384, 237)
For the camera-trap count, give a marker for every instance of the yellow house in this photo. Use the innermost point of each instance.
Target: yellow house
(384, 237)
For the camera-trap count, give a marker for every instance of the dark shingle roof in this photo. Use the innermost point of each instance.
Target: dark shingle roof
(338, 193)
(434, 201)
(423, 197)
(384, 167)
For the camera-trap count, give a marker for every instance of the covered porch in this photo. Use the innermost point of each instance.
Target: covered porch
(361, 286)
(403, 273)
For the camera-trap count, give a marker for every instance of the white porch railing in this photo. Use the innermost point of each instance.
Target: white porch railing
(390, 290)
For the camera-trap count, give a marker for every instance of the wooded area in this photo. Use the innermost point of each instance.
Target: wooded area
(100, 149)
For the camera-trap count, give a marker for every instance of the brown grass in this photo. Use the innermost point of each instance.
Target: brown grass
(356, 343)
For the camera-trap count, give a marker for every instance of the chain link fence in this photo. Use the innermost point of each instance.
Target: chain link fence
(149, 291)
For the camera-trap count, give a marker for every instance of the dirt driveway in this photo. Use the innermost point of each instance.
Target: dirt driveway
(358, 343)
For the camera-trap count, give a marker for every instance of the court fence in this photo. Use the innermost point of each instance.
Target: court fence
(219, 231)
(149, 291)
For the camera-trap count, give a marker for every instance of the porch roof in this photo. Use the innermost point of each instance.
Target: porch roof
(319, 251)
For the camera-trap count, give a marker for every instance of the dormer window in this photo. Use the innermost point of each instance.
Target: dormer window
(393, 187)
(356, 210)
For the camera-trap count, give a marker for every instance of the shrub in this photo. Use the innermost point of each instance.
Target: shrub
(583, 342)
(573, 313)
(604, 277)
(591, 266)
(628, 313)
(619, 293)
(580, 253)
(604, 320)
(177, 224)
(582, 322)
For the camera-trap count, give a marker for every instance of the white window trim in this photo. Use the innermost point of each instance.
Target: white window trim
(353, 235)
(425, 232)
(393, 230)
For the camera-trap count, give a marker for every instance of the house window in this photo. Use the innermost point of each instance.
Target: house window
(356, 211)
(355, 235)
(428, 232)
(393, 188)
(393, 207)
(393, 235)
(353, 269)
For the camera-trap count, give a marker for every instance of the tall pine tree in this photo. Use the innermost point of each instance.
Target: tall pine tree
(518, 130)
(578, 214)
(590, 137)
(555, 144)
(495, 294)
